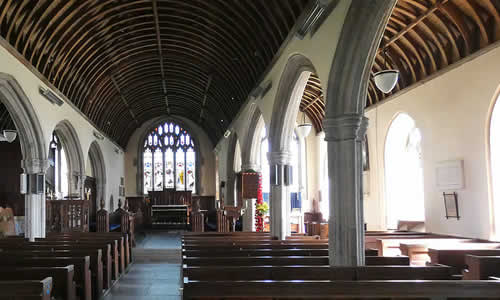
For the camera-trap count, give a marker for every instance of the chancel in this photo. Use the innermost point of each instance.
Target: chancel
(250, 149)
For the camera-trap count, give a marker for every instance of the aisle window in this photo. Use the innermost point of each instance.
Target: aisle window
(403, 172)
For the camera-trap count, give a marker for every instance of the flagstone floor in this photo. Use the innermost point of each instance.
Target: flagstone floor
(155, 273)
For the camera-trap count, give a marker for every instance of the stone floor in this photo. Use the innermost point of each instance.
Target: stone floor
(155, 273)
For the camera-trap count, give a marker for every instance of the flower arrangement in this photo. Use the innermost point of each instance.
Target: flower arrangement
(260, 208)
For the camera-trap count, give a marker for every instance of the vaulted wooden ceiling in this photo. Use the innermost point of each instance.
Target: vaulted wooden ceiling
(123, 62)
(313, 102)
(425, 36)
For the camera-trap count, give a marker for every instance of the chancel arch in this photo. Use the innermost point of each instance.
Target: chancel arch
(403, 165)
(33, 149)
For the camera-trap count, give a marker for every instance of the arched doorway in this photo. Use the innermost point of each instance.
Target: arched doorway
(404, 186)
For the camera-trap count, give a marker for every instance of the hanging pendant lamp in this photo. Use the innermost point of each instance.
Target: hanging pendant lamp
(386, 80)
(303, 129)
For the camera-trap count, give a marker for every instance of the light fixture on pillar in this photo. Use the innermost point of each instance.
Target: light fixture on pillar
(8, 136)
(303, 129)
(386, 80)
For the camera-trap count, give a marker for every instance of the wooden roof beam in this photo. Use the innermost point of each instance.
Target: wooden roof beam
(415, 22)
(160, 54)
(318, 97)
(204, 102)
(122, 97)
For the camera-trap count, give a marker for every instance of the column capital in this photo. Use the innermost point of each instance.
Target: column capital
(250, 166)
(279, 158)
(35, 166)
(345, 127)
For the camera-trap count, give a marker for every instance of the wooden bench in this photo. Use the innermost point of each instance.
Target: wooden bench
(82, 274)
(26, 289)
(124, 245)
(456, 257)
(63, 278)
(481, 267)
(239, 273)
(286, 261)
(95, 254)
(363, 289)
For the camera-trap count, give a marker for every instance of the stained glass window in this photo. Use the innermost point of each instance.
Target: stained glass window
(169, 159)
(148, 170)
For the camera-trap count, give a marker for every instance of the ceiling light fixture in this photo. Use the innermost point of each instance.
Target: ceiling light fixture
(8, 136)
(303, 129)
(387, 79)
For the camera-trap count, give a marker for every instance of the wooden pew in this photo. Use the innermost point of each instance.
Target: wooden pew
(111, 257)
(82, 269)
(67, 250)
(223, 252)
(239, 273)
(63, 278)
(26, 289)
(417, 250)
(364, 289)
(125, 248)
(456, 257)
(371, 240)
(389, 245)
(481, 267)
(96, 271)
(286, 261)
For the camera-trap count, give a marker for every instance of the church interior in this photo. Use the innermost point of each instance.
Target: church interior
(249, 149)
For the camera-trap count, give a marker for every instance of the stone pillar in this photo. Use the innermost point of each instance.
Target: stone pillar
(280, 196)
(35, 211)
(344, 135)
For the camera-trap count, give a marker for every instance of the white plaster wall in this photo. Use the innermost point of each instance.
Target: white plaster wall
(451, 111)
(50, 115)
(206, 156)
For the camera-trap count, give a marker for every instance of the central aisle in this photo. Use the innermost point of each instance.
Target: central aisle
(155, 273)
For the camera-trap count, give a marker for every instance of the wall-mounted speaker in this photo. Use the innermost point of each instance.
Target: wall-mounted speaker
(23, 184)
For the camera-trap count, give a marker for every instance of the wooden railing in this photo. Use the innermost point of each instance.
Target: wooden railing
(67, 215)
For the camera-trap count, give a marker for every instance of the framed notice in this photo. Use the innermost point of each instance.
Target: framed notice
(451, 205)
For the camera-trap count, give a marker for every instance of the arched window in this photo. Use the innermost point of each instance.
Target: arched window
(57, 173)
(495, 165)
(169, 159)
(404, 185)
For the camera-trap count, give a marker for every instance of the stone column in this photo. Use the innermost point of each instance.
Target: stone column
(34, 211)
(280, 196)
(344, 135)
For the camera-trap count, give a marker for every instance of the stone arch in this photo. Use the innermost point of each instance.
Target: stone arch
(33, 149)
(286, 107)
(74, 154)
(140, 149)
(231, 169)
(251, 150)
(345, 126)
(98, 165)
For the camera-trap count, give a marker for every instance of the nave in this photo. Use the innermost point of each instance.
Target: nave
(269, 148)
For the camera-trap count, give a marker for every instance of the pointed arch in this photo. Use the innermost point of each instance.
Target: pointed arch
(98, 165)
(75, 159)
